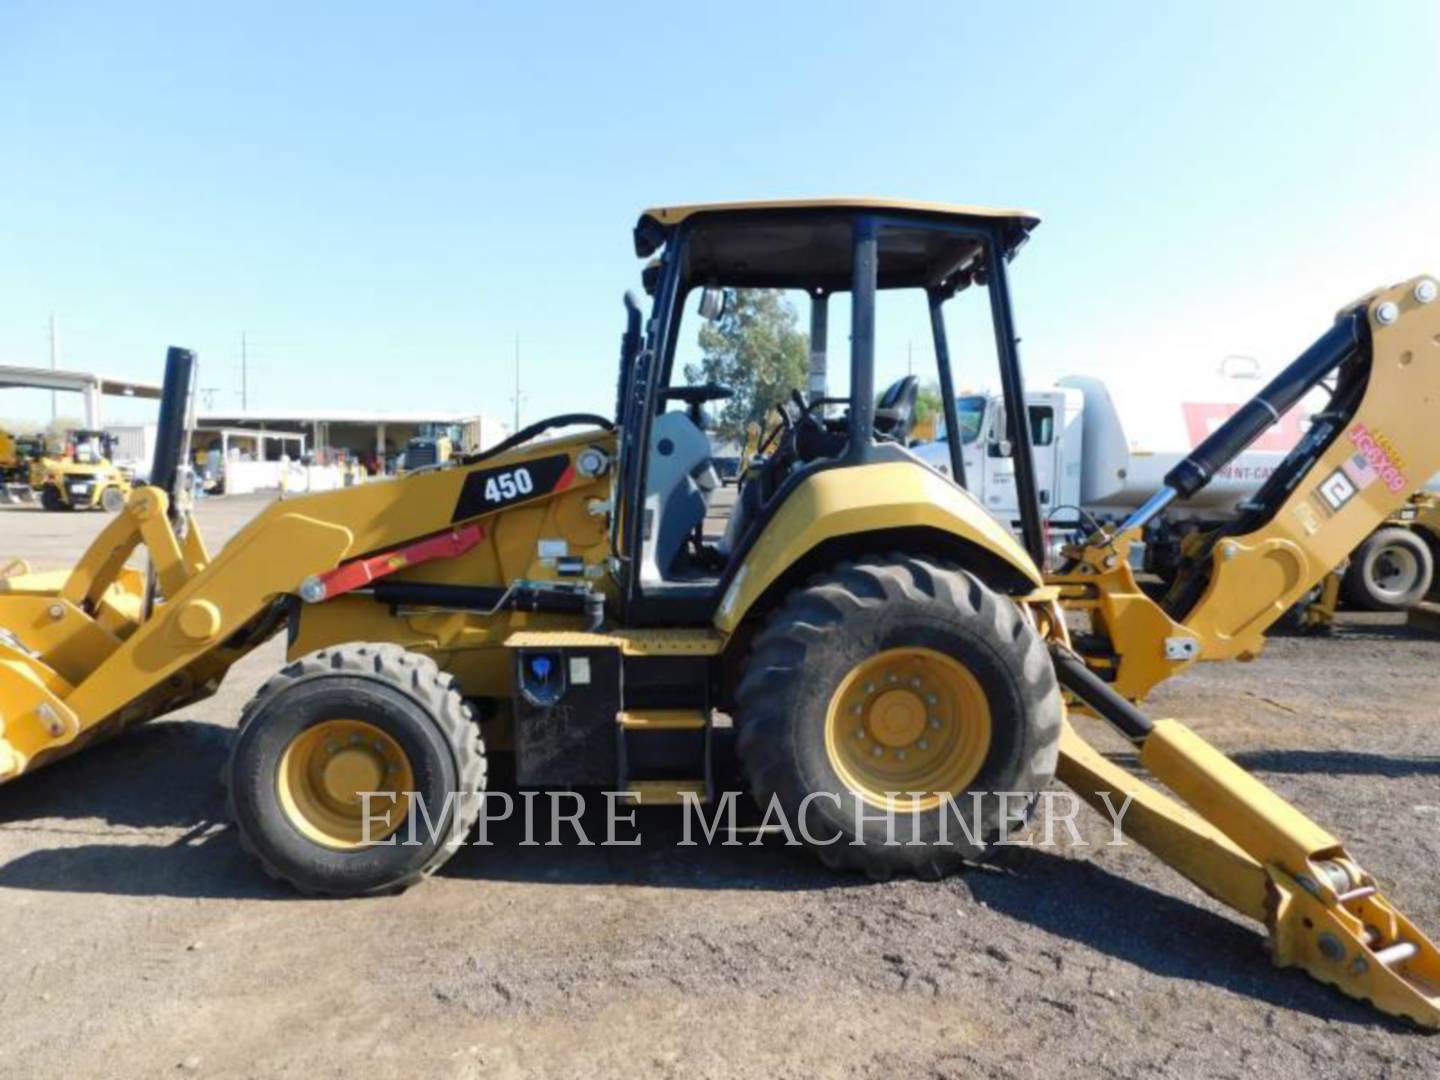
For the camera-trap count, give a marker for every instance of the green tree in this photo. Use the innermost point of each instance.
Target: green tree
(929, 402)
(757, 350)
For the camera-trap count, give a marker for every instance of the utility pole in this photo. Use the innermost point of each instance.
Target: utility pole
(54, 363)
(517, 386)
(244, 372)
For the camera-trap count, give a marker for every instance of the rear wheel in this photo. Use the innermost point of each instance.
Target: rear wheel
(357, 769)
(51, 499)
(1390, 571)
(899, 681)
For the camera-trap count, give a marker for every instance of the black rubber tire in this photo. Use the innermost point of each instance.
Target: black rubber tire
(51, 499)
(840, 618)
(1361, 586)
(112, 500)
(413, 701)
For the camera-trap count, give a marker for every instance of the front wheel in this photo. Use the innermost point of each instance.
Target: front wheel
(357, 769)
(905, 683)
(51, 499)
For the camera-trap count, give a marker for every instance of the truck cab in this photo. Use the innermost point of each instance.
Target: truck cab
(987, 440)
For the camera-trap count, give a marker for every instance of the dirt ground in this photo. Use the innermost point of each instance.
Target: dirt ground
(139, 940)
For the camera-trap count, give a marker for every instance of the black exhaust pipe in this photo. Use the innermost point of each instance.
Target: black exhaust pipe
(171, 432)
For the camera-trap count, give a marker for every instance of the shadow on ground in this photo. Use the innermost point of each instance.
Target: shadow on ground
(1336, 763)
(1160, 933)
(165, 776)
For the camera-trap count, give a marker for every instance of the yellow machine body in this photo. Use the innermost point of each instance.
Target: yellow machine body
(1388, 449)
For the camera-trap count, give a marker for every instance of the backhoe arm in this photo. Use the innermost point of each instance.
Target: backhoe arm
(1358, 462)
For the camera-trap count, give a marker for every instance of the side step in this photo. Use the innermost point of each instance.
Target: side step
(666, 792)
(662, 720)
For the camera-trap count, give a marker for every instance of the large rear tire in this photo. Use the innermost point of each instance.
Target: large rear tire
(345, 720)
(1391, 571)
(899, 674)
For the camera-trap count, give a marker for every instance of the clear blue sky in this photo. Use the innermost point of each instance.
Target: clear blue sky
(384, 195)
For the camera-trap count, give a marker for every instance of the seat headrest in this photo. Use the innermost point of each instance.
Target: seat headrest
(895, 411)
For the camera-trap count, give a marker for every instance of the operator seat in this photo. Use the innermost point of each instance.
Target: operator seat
(678, 483)
(895, 411)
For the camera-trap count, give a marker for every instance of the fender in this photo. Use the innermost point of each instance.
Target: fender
(860, 499)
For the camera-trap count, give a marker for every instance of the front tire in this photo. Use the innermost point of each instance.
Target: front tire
(51, 499)
(899, 674)
(1391, 571)
(344, 720)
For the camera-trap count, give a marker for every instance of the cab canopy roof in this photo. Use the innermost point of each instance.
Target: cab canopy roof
(805, 243)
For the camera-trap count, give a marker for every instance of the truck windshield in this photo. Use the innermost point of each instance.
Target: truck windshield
(970, 411)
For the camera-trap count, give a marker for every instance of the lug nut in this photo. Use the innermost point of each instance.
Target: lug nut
(879, 752)
(930, 699)
(935, 722)
(860, 733)
(922, 745)
(1425, 290)
(914, 684)
(1387, 313)
(899, 755)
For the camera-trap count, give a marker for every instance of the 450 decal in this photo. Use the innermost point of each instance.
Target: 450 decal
(509, 485)
(488, 490)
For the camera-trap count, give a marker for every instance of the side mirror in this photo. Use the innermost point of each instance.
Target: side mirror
(714, 303)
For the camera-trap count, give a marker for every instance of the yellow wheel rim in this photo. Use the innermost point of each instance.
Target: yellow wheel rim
(908, 720)
(323, 772)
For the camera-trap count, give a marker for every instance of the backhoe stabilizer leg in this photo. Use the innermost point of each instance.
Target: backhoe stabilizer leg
(1254, 852)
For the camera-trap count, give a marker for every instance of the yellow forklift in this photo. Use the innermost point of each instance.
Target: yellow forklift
(83, 476)
(18, 454)
(887, 651)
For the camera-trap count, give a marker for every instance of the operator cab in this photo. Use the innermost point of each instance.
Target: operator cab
(678, 532)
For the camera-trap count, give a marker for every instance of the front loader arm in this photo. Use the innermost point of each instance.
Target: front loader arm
(86, 653)
(1356, 465)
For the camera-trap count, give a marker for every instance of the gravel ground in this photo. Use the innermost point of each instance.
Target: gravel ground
(141, 941)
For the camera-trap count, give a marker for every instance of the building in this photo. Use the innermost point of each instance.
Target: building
(354, 433)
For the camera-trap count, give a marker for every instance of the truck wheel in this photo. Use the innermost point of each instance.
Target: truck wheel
(898, 674)
(1390, 571)
(51, 499)
(341, 721)
(112, 500)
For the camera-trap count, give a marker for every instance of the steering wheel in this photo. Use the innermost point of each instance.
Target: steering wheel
(696, 396)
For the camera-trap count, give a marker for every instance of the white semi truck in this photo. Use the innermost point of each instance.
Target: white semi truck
(1089, 473)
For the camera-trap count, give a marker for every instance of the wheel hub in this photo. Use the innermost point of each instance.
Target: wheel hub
(897, 718)
(908, 720)
(326, 774)
(350, 772)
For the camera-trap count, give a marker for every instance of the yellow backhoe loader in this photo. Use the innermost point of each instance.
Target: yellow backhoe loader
(880, 642)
